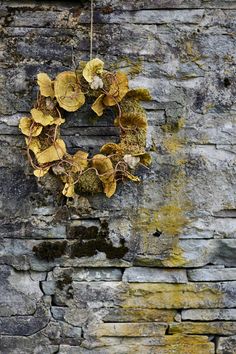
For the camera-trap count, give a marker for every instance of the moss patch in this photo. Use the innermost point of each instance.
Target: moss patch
(48, 251)
(89, 183)
(173, 127)
(91, 241)
(173, 143)
(82, 232)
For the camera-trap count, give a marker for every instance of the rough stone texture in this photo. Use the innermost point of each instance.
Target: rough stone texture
(209, 314)
(212, 274)
(226, 345)
(174, 290)
(154, 275)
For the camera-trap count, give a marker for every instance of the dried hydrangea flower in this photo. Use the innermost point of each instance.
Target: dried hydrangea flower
(97, 83)
(132, 161)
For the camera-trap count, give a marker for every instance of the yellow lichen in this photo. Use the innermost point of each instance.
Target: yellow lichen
(172, 296)
(173, 127)
(173, 143)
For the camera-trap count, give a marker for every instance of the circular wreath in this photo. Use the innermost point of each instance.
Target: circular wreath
(80, 173)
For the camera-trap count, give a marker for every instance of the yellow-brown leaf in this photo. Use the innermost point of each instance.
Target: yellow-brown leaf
(45, 85)
(29, 128)
(53, 153)
(92, 68)
(68, 92)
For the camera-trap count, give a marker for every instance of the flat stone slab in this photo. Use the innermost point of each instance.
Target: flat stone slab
(209, 314)
(19, 293)
(212, 274)
(154, 275)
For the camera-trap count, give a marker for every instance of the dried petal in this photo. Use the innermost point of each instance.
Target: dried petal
(41, 118)
(68, 92)
(69, 188)
(111, 148)
(41, 172)
(59, 121)
(53, 153)
(118, 89)
(33, 144)
(45, 85)
(132, 120)
(145, 159)
(98, 106)
(132, 177)
(29, 128)
(110, 188)
(80, 161)
(92, 68)
(104, 167)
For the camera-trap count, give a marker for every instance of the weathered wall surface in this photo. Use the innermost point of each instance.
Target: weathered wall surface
(152, 269)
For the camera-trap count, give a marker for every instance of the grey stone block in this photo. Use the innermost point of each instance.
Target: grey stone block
(154, 275)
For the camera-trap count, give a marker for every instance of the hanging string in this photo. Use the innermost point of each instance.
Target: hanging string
(91, 30)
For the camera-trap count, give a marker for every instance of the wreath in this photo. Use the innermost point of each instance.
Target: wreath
(80, 172)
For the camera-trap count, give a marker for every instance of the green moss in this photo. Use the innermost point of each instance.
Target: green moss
(48, 251)
(81, 249)
(174, 127)
(134, 142)
(173, 143)
(131, 106)
(111, 251)
(140, 94)
(135, 68)
(82, 232)
(89, 183)
(91, 242)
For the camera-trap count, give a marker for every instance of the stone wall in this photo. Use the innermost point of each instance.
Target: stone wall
(150, 270)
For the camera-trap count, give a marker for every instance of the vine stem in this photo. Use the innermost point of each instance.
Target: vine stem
(91, 31)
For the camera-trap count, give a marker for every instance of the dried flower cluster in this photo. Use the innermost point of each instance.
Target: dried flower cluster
(47, 151)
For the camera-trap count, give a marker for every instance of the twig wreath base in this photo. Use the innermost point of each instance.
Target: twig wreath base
(46, 149)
